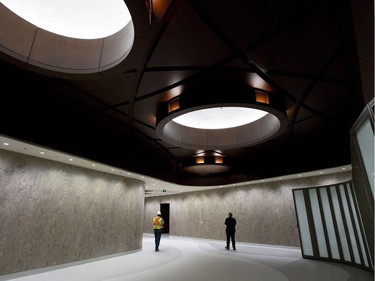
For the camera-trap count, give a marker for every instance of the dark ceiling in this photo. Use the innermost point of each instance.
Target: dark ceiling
(305, 51)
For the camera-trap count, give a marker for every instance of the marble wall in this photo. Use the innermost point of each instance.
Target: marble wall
(52, 213)
(265, 212)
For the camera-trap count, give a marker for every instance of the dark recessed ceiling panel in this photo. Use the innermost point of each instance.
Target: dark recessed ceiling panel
(301, 51)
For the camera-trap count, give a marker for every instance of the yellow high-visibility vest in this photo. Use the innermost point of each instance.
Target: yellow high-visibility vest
(158, 222)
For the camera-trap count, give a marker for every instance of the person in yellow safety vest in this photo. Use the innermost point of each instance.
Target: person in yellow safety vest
(158, 223)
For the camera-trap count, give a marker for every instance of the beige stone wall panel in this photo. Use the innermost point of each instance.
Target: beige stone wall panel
(265, 212)
(52, 213)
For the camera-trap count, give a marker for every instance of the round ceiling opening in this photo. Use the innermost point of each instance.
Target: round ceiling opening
(206, 169)
(199, 119)
(66, 37)
(207, 163)
(84, 19)
(219, 117)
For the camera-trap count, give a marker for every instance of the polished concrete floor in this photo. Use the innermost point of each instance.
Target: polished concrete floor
(190, 259)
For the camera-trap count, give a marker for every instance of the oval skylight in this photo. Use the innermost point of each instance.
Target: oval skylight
(219, 117)
(84, 19)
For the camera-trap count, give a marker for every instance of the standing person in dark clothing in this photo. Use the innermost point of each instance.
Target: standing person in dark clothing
(230, 230)
(158, 223)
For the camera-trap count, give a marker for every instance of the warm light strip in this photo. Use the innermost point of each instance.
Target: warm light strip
(199, 160)
(173, 105)
(262, 97)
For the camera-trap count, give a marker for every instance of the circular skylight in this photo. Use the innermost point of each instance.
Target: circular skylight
(206, 169)
(84, 19)
(219, 117)
(202, 121)
(67, 36)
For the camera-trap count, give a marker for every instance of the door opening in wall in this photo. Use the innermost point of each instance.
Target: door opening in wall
(164, 208)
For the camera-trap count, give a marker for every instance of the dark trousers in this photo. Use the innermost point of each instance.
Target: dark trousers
(231, 236)
(157, 234)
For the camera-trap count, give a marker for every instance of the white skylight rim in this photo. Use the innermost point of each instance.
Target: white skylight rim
(220, 117)
(83, 19)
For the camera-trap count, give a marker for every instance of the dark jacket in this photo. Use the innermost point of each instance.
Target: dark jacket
(230, 222)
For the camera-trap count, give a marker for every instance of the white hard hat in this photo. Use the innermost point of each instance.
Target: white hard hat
(158, 213)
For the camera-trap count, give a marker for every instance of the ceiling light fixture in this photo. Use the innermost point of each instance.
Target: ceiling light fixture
(219, 117)
(223, 116)
(210, 163)
(70, 36)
